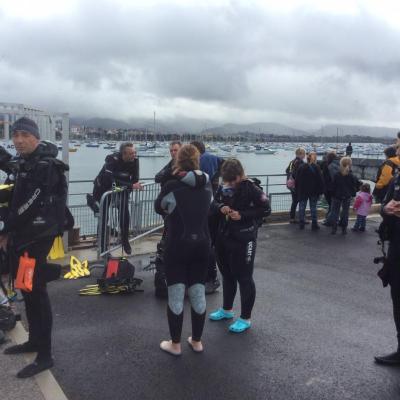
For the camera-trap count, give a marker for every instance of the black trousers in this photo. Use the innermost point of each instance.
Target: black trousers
(236, 262)
(293, 207)
(37, 302)
(394, 280)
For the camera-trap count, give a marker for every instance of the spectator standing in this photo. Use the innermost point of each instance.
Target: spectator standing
(291, 173)
(309, 186)
(362, 206)
(345, 186)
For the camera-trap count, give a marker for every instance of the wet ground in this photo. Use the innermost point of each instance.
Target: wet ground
(321, 315)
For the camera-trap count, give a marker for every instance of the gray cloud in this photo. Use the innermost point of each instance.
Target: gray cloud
(226, 63)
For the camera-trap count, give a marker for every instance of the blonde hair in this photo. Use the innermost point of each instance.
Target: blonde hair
(300, 151)
(187, 159)
(345, 165)
(312, 157)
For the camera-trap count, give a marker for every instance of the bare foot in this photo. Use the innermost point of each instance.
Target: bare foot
(197, 347)
(171, 348)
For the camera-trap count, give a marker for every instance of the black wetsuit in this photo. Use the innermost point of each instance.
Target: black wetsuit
(236, 241)
(393, 260)
(120, 173)
(37, 216)
(185, 202)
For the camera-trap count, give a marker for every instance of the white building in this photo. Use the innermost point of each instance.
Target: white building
(46, 121)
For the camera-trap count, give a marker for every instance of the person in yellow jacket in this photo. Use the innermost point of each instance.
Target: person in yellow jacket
(386, 172)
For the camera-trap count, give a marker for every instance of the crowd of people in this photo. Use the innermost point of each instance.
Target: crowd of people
(222, 232)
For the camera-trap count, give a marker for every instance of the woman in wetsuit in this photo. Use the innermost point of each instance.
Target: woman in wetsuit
(240, 206)
(185, 201)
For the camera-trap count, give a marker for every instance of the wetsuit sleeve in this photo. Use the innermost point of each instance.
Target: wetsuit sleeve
(161, 203)
(261, 204)
(165, 174)
(216, 204)
(107, 178)
(28, 205)
(135, 175)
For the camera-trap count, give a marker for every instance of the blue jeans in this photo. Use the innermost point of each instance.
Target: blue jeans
(361, 222)
(344, 205)
(313, 209)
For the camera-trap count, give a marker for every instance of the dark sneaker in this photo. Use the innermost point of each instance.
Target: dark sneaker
(344, 230)
(35, 368)
(334, 230)
(21, 348)
(362, 229)
(390, 359)
(212, 286)
(326, 223)
(293, 221)
(301, 226)
(355, 229)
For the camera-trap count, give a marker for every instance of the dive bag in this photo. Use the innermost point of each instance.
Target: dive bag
(118, 272)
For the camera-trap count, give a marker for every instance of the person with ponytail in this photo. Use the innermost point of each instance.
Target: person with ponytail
(185, 201)
(345, 186)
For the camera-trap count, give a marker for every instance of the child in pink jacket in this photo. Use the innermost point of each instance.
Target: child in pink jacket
(362, 206)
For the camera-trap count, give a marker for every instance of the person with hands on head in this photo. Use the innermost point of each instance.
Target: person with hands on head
(240, 206)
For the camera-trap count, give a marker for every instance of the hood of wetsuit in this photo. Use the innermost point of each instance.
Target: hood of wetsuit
(46, 149)
(195, 179)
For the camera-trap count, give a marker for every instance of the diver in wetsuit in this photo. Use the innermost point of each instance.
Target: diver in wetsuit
(185, 202)
(36, 216)
(240, 206)
(121, 169)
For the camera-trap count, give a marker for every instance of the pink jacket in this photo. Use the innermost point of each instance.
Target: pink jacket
(363, 203)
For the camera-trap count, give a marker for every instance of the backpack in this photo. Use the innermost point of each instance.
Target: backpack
(118, 274)
(290, 181)
(256, 182)
(390, 164)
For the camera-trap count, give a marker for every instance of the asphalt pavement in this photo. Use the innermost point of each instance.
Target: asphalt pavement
(321, 314)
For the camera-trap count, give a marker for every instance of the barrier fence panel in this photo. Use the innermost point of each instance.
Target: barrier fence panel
(125, 215)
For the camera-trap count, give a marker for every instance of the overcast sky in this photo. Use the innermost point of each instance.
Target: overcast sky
(303, 63)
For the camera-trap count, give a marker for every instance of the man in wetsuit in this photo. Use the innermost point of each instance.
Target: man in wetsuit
(166, 173)
(36, 217)
(121, 169)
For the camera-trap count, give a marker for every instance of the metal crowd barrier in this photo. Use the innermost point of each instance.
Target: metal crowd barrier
(126, 215)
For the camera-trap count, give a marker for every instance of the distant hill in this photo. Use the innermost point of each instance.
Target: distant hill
(373, 131)
(103, 123)
(197, 126)
(268, 128)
